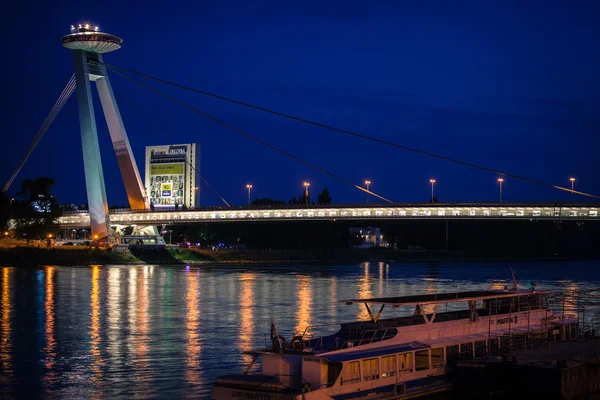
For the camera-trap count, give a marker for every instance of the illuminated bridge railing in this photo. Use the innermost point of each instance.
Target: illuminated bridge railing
(358, 212)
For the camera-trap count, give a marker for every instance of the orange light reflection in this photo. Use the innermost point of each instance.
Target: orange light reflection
(5, 328)
(364, 292)
(304, 306)
(192, 324)
(50, 348)
(95, 323)
(246, 310)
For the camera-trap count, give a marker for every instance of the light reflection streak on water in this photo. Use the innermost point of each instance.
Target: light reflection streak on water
(141, 345)
(304, 305)
(50, 349)
(132, 312)
(95, 324)
(246, 311)
(364, 292)
(192, 324)
(5, 328)
(114, 313)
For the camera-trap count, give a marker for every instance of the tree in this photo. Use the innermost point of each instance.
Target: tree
(267, 202)
(293, 201)
(36, 213)
(5, 210)
(304, 199)
(324, 197)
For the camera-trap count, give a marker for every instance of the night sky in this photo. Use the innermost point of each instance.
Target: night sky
(511, 85)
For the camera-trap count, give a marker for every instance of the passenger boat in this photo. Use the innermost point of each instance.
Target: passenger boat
(402, 357)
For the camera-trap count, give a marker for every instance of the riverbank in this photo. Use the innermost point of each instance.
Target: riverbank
(91, 256)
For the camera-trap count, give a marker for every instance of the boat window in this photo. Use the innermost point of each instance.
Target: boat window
(333, 371)
(422, 360)
(480, 349)
(388, 366)
(452, 354)
(466, 351)
(351, 373)
(494, 347)
(371, 369)
(437, 357)
(406, 362)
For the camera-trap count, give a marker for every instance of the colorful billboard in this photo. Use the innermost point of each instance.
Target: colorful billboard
(171, 176)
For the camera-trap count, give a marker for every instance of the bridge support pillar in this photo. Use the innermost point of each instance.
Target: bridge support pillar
(129, 171)
(94, 175)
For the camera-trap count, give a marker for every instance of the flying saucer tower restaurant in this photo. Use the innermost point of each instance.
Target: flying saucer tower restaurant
(88, 44)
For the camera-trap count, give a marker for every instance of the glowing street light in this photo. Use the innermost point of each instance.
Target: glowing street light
(432, 181)
(367, 183)
(306, 185)
(249, 187)
(500, 180)
(572, 189)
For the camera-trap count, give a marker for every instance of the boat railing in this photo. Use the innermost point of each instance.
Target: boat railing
(368, 336)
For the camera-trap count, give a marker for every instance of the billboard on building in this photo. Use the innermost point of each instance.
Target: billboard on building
(171, 176)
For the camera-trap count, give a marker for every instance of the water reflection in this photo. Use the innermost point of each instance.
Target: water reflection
(246, 311)
(95, 324)
(5, 327)
(364, 292)
(50, 349)
(114, 313)
(192, 324)
(304, 304)
(126, 332)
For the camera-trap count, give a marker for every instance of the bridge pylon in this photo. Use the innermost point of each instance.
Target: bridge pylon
(88, 45)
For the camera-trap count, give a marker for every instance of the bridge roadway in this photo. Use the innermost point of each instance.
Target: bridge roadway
(363, 212)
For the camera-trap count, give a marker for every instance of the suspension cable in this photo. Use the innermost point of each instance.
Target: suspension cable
(358, 135)
(58, 105)
(256, 139)
(162, 135)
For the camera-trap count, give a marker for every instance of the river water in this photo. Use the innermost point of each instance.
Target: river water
(168, 331)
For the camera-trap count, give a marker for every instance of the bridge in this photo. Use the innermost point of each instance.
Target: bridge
(148, 211)
(366, 212)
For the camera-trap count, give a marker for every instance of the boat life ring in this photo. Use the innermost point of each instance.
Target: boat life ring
(279, 342)
(297, 344)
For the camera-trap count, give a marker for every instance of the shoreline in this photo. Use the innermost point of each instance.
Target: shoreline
(29, 256)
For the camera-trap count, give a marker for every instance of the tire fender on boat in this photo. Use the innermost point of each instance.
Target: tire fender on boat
(297, 344)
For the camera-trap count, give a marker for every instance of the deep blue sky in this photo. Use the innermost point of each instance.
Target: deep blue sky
(511, 85)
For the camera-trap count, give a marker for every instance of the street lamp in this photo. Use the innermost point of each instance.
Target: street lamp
(249, 187)
(572, 189)
(306, 185)
(432, 181)
(500, 180)
(367, 182)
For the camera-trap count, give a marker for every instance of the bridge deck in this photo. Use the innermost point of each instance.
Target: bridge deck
(344, 212)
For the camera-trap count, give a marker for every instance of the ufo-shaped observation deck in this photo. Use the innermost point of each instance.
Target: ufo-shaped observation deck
(90, 40)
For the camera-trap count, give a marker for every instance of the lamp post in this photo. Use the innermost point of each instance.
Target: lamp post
(572, 189)
(432, 181)
(306, 185)
(500, 180)
(367, 182)
(249, 187)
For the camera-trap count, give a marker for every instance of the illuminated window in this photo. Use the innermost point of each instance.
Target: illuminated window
(406, 362)
(437, 357)
(371, 369)
(421, 360)
(388, 366)
(351, 373)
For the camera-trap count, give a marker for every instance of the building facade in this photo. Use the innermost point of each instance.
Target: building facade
(171, 173)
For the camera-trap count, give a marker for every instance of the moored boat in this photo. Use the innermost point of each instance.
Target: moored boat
(398, 357)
